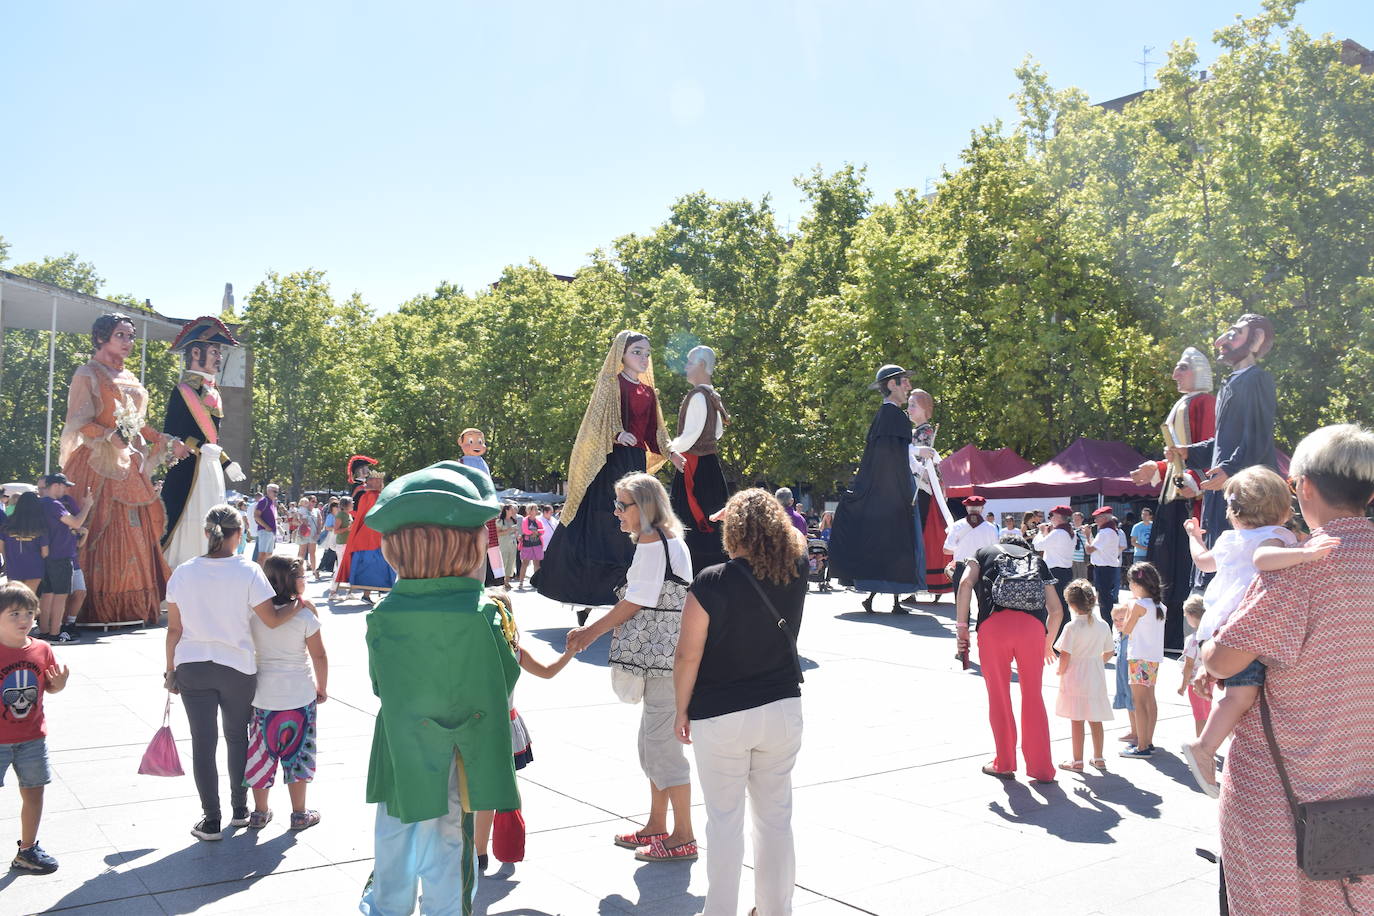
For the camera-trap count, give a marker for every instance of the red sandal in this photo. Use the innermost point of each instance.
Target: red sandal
(657, 852)
(636, 840)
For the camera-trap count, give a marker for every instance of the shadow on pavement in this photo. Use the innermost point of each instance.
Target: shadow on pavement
(1053, 813)
(918, 624)
(657, 881)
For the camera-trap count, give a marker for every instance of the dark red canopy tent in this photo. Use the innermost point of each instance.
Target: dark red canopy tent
(1088, 467)
(970, 466)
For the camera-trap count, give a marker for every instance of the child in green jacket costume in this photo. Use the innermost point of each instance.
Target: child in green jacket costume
(444, 670)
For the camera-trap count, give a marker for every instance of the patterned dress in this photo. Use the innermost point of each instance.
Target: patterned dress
(1313, 625)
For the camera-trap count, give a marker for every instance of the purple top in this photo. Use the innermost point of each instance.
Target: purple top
(268, 511)
(61, 539)
(23, 556)
(797, 520)
(74, 509)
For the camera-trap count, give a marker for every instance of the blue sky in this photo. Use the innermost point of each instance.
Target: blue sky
(179, 146)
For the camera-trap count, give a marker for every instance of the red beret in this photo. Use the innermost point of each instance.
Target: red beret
(1105, 510)
(1061, 510)
(975, 501)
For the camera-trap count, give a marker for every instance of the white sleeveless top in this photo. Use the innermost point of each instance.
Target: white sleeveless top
(1147, 639)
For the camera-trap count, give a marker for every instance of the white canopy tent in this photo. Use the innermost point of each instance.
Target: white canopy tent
(33, 304)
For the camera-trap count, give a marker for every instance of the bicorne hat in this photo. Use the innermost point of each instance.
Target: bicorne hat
(205, 329)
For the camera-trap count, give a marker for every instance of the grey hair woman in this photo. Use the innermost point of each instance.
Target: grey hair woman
(1313, 625)
(641, 505)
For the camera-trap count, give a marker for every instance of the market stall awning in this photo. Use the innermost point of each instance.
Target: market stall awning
(1088, 467)
(970, 466)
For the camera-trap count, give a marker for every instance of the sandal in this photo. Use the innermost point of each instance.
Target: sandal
(1073, 766)
(302, 820)
(657, 852)
(988, 769)
(636, 840)
(259, 819)
(1099, 762)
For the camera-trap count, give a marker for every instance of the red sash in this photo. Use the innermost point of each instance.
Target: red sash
(199, 413)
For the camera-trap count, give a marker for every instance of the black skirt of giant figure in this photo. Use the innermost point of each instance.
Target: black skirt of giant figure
(711, 493)
(588, 557)
(873, 543)
(176, 485)
(1170, 554)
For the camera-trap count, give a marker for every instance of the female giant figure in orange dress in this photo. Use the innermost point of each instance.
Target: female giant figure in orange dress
(108, 447)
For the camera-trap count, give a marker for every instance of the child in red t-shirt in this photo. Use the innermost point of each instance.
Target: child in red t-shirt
(27, 671)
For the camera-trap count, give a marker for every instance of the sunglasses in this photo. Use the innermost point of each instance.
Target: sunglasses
(13, 694)
(1293, 484)
(620, 506)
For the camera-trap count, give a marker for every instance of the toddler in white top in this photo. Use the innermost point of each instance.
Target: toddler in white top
(282, 729)
(1258, 503)
(1084, 647)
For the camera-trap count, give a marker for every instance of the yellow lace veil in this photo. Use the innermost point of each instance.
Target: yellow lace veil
(601, 424)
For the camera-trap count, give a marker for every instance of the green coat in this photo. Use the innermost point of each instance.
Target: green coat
(444, 672)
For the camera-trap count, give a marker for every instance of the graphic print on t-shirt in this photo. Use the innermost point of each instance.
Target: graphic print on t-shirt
(21, 691)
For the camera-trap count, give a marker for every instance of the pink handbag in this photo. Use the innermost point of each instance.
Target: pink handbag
(161, 757)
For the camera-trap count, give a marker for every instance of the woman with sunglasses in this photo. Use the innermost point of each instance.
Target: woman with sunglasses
(587, 555)
(644, 513)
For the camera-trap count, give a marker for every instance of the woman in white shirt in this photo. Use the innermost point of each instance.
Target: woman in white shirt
(645, 514)
(211, 660)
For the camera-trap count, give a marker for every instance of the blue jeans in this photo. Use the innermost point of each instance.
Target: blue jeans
(1107, 581)
(1123, 698)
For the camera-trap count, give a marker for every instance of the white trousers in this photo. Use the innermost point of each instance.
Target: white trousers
(753, 749)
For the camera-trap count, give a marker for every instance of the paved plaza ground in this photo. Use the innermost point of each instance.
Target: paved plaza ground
(892, 815)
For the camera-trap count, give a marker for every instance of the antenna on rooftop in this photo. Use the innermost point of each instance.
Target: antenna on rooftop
(1144, 65)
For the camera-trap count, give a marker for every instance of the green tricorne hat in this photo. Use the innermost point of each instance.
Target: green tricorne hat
(448, 494)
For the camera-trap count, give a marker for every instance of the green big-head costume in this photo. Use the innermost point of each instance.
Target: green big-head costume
(440, 664)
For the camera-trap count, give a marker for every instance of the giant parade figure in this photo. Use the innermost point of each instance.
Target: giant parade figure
(109, 451)
(194, 412)
(699, 490)
(877, 544)
(588, 555)
(1191, 419)
(1245, 412)
(930, 496)
(473, 442)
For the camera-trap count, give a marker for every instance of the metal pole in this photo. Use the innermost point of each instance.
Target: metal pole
(2, 336)
(52, 358)
(143, 353)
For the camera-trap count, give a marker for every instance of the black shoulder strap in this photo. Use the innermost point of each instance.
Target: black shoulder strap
(777, 618)
(1278, 758)
(668, 560)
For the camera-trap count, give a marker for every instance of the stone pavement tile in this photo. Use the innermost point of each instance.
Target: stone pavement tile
(1133, 873)
(548, 809)
(931, 892)
(1019, 901)
(242, 854)
(840, 873)
(60, 832)
(1195, 895)
(280, 892)
(86, 877)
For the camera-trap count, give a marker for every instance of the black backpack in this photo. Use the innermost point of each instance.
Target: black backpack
(1016, 582)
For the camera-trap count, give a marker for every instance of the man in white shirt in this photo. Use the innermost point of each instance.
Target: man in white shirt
(1104, 556)
(1055, 543)
(967, 537)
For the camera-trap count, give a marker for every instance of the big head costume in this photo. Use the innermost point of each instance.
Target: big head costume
(195, 409)
(588, 555)
(442, 666)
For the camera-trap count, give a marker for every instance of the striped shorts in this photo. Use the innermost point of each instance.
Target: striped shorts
(285, 736)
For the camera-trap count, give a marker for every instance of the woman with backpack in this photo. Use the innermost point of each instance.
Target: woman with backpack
(1018, 618)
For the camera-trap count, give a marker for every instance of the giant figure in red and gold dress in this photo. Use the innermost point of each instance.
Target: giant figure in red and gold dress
(108, 447)
(1191, 419)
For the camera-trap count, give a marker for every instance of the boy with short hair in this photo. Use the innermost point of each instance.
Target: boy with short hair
(28, 670)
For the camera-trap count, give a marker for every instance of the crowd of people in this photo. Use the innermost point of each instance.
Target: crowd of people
(705, 594)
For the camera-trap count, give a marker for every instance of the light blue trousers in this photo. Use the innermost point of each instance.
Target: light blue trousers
(433, 857)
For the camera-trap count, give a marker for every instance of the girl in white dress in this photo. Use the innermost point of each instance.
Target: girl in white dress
(1084, 646)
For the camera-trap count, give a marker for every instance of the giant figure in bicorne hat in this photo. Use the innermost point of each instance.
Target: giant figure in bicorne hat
(194, 411)
(876, 544)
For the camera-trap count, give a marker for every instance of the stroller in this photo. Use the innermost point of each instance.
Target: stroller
(818, 562)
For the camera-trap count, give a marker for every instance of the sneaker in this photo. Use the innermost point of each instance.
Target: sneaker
(1133, 751)
(303, 820)
(240, 818)
(34, 859)
(66, 636)
(207, 828)
(259, 819)
(482, 862)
